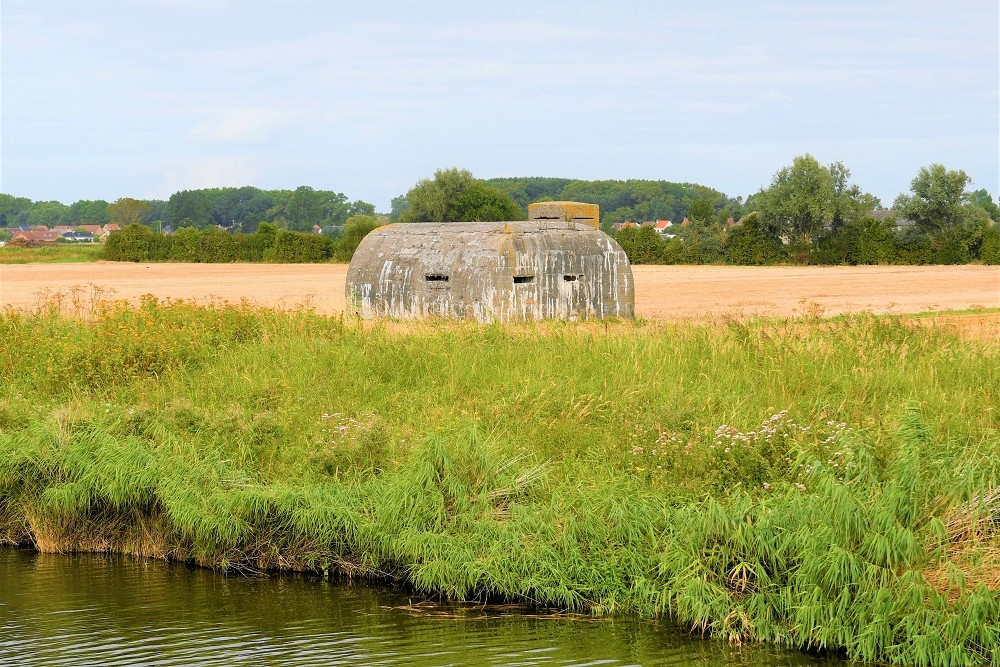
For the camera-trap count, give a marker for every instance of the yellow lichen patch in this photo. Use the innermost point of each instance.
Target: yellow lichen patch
(568, 211)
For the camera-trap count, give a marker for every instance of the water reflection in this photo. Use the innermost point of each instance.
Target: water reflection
(98, 610)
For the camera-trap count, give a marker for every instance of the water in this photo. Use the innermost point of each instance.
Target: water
(102, 610)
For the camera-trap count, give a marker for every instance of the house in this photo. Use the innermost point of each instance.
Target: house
(887, 214)
(491, 271)
(625, 225)
(661, 226)
(107, 230)
(77, 236)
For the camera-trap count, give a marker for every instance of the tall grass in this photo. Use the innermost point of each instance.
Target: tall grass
(821, 484)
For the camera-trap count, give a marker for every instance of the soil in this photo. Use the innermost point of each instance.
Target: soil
(662, 292)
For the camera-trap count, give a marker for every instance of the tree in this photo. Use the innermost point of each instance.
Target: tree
(48, 213)
(127, 211)
(939, 200)
(798, 203)
(398, 206)
(189, 208)
(807, 198)
(701, 210)
(983, 200)
(305, 209)
(356, 228)
(944, 213)
(15, 210)
(455, 195)
(86, 212)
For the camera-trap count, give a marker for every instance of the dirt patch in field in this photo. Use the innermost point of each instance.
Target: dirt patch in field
(662, 292)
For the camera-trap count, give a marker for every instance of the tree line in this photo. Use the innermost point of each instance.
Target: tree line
(810, 213)
(239, 209)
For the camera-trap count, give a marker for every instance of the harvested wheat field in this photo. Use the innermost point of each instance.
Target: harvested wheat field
(662, 292)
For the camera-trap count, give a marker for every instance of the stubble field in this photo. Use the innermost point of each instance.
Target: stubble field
(662, 292)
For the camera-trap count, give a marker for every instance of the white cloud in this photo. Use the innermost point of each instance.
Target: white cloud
(241, 126)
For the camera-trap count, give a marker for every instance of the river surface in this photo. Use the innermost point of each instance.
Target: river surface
(109, 610)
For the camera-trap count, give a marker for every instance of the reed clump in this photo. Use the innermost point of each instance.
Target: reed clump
(831, 485)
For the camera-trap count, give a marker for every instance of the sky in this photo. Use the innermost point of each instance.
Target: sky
(142, 98)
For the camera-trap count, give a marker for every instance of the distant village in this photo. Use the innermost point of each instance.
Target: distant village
(35, 235)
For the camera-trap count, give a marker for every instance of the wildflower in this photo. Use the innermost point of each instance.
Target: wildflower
(800, 487)
(766, 486)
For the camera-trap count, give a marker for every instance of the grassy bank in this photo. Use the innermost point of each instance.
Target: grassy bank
(54, 254)
(824, 484)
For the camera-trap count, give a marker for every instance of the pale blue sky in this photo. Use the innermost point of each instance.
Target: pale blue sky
(142, 98)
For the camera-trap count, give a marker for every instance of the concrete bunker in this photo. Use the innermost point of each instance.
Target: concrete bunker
(491, 271)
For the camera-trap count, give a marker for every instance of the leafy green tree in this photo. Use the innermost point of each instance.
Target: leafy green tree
(945, 213)
(360, 208)
(305, 209)
(701, 210)
(241, 208)
(938, 200)
(189, 208)
(356, 229)
(48, 213)
(455, 195)
(15, 210)
(798, 203)
(807, 198)
(87, 212)
(398, 206)
(983, 200)
(127, 211)
(849, 202)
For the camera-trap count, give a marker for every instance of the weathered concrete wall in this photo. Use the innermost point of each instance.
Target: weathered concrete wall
(491, 271)
(568, 211)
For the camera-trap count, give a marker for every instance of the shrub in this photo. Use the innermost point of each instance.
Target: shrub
(298, 247)
(749, 244)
